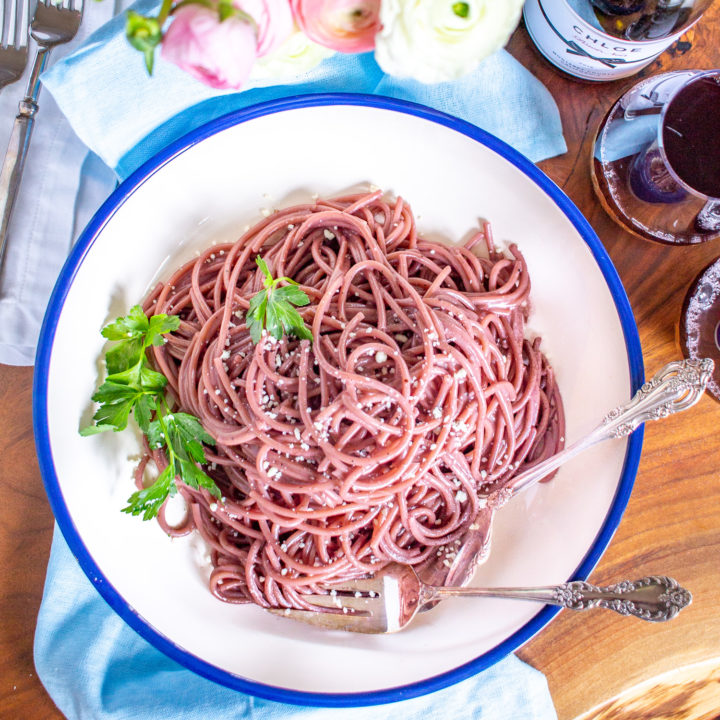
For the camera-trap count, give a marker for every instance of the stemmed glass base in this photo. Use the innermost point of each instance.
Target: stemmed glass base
(630, 174)
(700, 322)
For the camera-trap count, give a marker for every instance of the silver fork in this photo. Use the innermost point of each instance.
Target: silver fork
(54, 23)
(676, 387)
(14, 40)
(389, 600)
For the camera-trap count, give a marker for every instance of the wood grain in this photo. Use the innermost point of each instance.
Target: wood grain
(671, 526)
(689, 692)
(26, 525)
(672, 523)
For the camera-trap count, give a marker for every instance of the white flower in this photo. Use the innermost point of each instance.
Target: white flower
(439, 40)
(297, 55)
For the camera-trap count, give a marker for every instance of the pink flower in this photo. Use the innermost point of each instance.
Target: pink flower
(344, 25)
(222, 53)
(219, 54)
(273, 19)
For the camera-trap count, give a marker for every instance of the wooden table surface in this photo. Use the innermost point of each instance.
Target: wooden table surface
(671, 525)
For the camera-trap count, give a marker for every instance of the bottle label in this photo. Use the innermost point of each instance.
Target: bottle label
(575, 46)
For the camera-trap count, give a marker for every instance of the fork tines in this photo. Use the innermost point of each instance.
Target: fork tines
(15, 23)
(341, 602)
(73, 5)
(351, 598)
(352, 621)
(13, 40)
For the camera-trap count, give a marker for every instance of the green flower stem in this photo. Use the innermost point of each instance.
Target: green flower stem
(165, 10)
(185, 3)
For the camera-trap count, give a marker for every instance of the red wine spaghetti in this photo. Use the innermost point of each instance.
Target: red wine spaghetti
(375, 442)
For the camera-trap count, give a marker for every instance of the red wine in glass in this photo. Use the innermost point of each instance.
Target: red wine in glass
(656, 165)
(691, 135)
(686, 155)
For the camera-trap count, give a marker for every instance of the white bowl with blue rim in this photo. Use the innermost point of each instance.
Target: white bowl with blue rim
(208, 187)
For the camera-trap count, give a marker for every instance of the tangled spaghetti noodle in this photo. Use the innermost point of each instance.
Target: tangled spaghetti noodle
(376, 442)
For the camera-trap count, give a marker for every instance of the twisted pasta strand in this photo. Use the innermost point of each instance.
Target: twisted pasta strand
(374, 443)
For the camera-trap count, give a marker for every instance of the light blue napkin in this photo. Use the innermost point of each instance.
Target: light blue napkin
(92, 664)
(96, 668)
(125, 116)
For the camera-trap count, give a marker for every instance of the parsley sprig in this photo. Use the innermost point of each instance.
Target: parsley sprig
(272, 309)
(133, 386)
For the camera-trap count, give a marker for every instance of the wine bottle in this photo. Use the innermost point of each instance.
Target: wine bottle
(601, 40)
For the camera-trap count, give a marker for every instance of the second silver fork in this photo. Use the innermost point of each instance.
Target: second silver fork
(389, 600)
(54, 23)
(14, 40)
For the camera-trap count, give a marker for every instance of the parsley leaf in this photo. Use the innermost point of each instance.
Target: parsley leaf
(271, 309)
(133, 325)
(133, 386)
(148, 501)
(126, 354)
(143, 410)
(158, 326)
(266, 271)
(291, 294)
(113, 415)
(194, 477)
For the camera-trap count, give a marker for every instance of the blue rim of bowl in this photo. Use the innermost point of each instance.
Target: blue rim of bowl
(40, 396)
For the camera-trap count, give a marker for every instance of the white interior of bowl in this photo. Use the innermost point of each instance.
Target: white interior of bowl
(209, 193)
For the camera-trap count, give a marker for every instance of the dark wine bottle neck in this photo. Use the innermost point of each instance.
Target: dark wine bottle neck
(646, 19)
(619, 7)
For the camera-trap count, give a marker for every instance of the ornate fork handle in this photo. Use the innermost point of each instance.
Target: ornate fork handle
(678, 386)
(655, 598)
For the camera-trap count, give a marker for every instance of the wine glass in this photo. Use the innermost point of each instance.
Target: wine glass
(700, 322)
(656, 160)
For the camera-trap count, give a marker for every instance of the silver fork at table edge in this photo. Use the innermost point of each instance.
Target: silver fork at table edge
(389, 600)
(52, 25)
